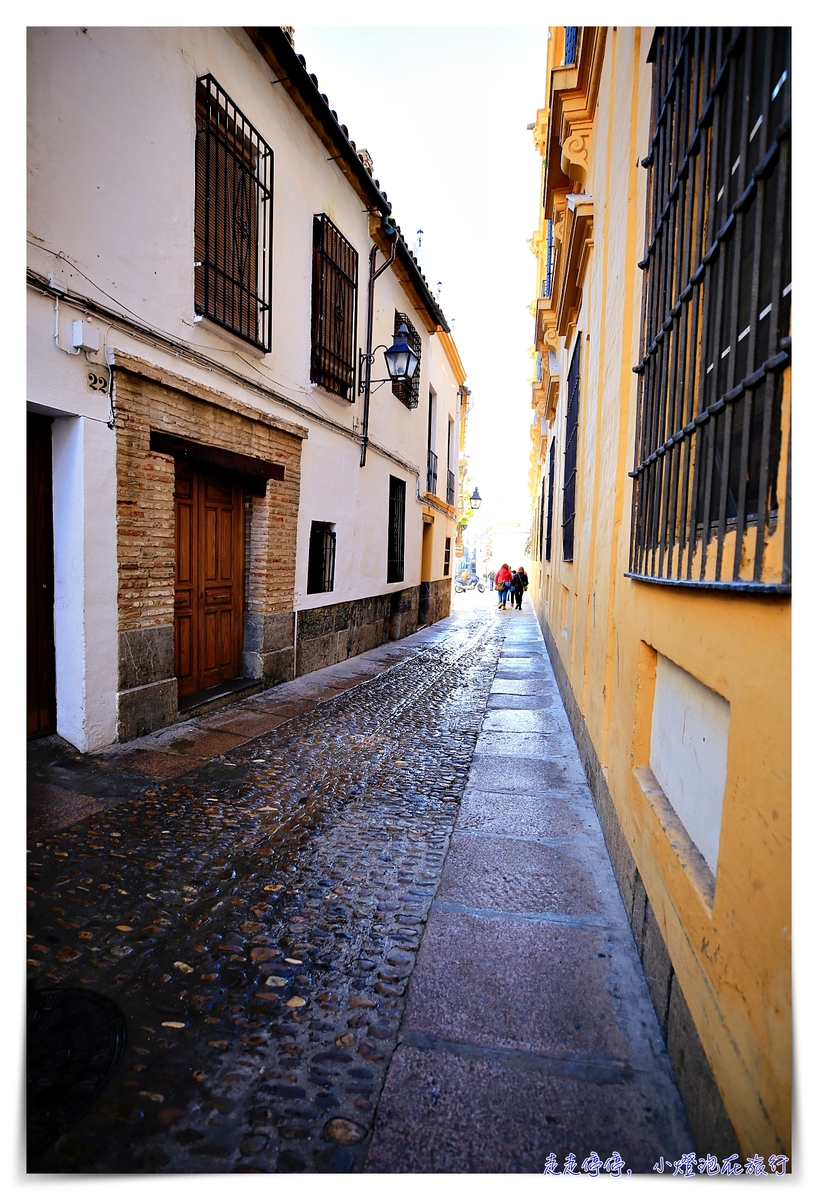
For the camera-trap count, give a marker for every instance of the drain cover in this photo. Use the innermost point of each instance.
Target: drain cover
(75, 1041)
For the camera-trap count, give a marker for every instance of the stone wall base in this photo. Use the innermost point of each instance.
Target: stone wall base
(711, 1127)
(440, 600)
(143, 709)
(336, 632)
(268, 647)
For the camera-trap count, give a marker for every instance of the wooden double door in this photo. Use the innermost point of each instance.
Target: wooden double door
(209, 599)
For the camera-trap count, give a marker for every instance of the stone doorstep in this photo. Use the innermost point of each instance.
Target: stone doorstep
(220, 696)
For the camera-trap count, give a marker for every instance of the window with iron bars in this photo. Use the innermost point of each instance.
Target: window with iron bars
(447, 556)
(540, 522)
(408, 393)
(321, 564)
(233, 234)
(548, 282)
(571, 38)
(569, 490)
(334, 309)
(711, 484)
(397, 521)
(549, 521)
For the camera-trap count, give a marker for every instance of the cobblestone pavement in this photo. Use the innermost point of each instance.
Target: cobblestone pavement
(257, 920)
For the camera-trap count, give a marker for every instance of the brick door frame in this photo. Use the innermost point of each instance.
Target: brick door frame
(150, 400)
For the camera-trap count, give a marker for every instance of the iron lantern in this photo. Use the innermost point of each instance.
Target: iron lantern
(401, 360)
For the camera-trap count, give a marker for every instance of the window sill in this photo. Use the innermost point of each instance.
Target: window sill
(687, 852)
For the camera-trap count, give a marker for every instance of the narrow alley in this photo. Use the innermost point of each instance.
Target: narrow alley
(381, 935)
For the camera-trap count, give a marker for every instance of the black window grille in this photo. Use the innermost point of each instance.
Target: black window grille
(709, 475)
(571, 35)
(233, 232)
(321, 565)
(548, 282)
(431, 472)
(569, 490)
(549, 523)
(538, 545)
(451, 484)
(409, 393)
(397, 521)
(334, 309)
(447, 556)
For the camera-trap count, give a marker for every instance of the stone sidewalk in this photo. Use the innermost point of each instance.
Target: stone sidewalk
(528, 1029)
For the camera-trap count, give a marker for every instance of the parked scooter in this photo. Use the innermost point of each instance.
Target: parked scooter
(468, 585)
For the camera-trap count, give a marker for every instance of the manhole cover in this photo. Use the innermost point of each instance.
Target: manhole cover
(75, 1041)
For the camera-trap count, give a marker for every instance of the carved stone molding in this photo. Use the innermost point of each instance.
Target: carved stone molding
(576, 152)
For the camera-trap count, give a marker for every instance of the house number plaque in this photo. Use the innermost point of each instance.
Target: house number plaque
(97, 381)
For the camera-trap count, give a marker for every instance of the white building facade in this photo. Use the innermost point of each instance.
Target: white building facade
(213, 506)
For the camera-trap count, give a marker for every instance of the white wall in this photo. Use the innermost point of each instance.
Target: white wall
(85, 580)
(688, 752)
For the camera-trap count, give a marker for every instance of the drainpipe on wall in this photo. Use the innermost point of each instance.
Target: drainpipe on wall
(373, 275)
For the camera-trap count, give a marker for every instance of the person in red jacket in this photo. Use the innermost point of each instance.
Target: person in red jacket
(502, 581)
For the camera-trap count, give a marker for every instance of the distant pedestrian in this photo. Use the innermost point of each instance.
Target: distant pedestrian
(520, 584)
(502, 582)
(491, 581)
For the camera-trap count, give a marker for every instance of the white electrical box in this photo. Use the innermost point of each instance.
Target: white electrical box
(84, 336)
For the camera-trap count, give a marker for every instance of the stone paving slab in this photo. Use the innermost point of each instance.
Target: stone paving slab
(515, 721)
(529, 703)
(448, 1109)
(515, 984)
(541, 816)
(553, 745)
(155, 763)
(523, 776)
(482, 872)
(518, 687)
(51, 808)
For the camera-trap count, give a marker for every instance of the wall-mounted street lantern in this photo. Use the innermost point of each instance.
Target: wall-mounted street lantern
(475, 500)
(401, 362)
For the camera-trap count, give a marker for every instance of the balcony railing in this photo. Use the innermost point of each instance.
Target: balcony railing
(450, 488)
(431, 473)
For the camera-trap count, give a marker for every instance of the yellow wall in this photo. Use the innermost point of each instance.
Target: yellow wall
(732, 961)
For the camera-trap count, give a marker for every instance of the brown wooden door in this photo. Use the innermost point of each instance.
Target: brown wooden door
(42, 703)
(209, 599)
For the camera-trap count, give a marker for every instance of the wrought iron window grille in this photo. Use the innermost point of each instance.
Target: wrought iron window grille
(571, 37)
(549, 523)
(711, 473)
(321, 563)
(447, 556)
(451, 487)
(548, 282)
(408, 392)
(569, 489)
(397, 529)
(431, 472)
(334, 309)
(233, 234)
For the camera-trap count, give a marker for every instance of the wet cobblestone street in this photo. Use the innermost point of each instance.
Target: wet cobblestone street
(257, 920)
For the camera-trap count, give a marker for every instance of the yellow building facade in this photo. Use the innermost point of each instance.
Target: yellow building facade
(660, 539)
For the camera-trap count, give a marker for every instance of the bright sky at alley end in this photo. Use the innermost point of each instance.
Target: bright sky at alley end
(443, 112)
